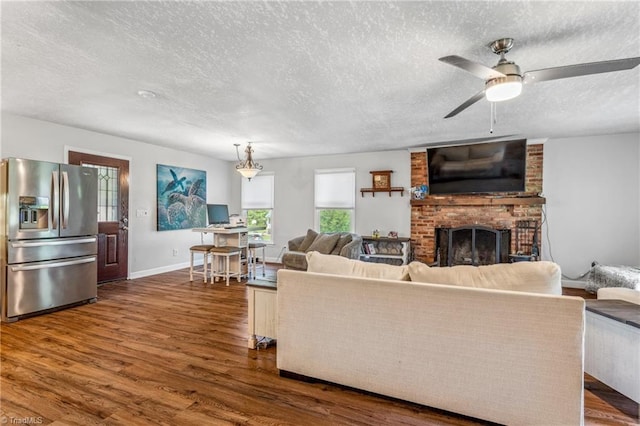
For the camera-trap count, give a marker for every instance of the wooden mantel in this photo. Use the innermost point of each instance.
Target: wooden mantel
(479, 200)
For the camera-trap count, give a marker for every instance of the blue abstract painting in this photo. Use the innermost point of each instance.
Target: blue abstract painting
(182, 195)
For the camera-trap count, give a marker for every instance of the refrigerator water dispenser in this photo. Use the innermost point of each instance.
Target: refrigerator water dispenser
(34, 212)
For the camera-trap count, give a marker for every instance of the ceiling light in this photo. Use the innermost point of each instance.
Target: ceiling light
(247, 167)
(503, 88)
(147, 94)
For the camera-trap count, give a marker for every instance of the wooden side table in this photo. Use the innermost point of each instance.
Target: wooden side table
(263, 310)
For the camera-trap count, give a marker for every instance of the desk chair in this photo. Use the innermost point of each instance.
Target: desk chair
(223, 255)
(252, 257)
(204, 250)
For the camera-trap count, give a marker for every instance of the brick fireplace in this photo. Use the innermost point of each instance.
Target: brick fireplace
(496, 211)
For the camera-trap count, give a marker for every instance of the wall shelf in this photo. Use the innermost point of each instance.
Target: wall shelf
(480, 200)
(389, 190)
(381, 182)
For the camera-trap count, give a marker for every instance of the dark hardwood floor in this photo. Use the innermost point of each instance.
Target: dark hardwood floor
(164, 351)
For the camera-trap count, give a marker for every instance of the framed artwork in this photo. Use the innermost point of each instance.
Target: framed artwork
(181, 198)
(381, 179)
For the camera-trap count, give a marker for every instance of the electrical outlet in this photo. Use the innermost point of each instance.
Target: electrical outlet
(175, 252)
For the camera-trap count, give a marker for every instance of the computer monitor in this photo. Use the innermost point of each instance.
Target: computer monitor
(218, 214)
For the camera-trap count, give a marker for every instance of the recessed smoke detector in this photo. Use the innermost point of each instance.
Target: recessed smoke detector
(147, 94)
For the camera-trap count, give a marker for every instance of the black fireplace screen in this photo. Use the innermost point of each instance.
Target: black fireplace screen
(472, 245)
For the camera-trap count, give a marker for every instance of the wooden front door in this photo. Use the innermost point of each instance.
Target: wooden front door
(113, 213)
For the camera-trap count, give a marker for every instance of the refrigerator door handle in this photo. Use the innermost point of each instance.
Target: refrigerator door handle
(54, 200)
(52, 265)
(23, 244)
(64, 211)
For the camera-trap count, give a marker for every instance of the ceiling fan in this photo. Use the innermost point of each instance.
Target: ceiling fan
(504, 81)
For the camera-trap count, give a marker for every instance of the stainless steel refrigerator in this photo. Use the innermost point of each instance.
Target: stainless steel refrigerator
(49, 230)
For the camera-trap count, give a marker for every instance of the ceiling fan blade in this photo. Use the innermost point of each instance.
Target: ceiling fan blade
(472, 100)
(474, 68)
(580, 69)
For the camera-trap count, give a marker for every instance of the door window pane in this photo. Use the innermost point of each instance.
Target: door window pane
(108, 178)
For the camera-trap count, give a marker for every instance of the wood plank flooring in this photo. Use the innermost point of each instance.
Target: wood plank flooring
(164, 351)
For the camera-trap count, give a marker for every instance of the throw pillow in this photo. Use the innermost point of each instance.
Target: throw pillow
(342, 241)
(338, 265)
(324, 243)
(308, 240)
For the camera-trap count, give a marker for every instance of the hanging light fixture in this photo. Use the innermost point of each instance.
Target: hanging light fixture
(247, 167)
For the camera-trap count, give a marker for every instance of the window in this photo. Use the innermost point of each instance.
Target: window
(335, 199)
(257, 206)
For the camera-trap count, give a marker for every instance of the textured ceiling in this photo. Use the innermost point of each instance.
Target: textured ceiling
(310, 78)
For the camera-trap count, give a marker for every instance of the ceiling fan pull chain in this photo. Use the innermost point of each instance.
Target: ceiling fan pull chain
(492, 116)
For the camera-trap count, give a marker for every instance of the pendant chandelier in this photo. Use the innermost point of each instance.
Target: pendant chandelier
(247, 167)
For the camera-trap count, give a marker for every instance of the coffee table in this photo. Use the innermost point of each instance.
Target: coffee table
(263, 310)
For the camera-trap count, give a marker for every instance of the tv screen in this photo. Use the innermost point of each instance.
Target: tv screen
(218, 214)
(478, 168)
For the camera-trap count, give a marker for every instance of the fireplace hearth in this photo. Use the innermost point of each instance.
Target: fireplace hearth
(472, 245)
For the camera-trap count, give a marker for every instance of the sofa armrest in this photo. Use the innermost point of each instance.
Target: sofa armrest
(352, 249)
(295, 243)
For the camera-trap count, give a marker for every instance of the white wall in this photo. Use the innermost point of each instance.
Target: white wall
(294, 198)
(593, 201)
(150, 251)
(592, 186)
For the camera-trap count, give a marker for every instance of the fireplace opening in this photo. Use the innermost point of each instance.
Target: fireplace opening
(472, 245)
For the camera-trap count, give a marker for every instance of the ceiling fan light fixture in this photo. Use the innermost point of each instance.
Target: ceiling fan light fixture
(503, 88)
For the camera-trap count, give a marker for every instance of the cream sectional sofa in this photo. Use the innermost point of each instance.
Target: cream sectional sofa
(461, 343)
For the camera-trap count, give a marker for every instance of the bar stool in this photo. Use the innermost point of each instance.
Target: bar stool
(200, 248)
(252, 257)
(225, 253)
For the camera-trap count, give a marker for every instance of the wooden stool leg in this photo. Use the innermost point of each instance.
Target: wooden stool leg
(191, 265)
(239, 271)
(227, 268)
(206, 260)
(252, 261)
(214, 268)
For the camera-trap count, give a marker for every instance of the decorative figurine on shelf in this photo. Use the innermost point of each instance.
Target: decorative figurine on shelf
(393, 234)
(375, 233)
(419, 192)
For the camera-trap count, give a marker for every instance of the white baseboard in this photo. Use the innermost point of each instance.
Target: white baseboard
(574, 284)
(175, 267)
(156, 271)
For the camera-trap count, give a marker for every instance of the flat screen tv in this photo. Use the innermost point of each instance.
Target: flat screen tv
(478, 168)
(218, 214)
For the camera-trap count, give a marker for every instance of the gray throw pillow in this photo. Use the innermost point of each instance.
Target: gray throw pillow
(343, 241)
(324, 243)
(308, 240)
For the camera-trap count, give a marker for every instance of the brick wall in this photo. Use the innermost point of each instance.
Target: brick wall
(481, 210)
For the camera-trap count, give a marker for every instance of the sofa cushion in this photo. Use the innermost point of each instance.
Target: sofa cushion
(342, 241)
(308, 240)
(338, 265)
(295, 260)
(534, 277)
(324, 243)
